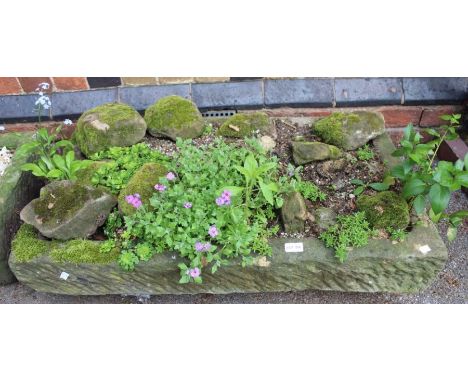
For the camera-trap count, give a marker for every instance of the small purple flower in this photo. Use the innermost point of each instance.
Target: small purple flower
(202, 247)
(213, 231)
(224, 199)
(194, 272)
(226, 194)
(160, 187)
(187, 205)
(134, 200)
(219, 201)
(170, 176)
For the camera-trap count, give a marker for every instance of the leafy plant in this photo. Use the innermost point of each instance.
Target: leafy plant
(310, 191)
(294, 182)
(365, 153)
(384, 186)
(397, 234)
(427, 182)
(122, 165)
(201, 218)
(349, 231)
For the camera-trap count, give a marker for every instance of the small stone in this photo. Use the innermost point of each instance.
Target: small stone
(294, 213)
(324, 217)
(327, 168)
(267, 142)
(306, 152)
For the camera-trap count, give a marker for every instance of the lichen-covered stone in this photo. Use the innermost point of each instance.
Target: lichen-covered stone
(244, 125)
(324, 217)
(294, 212)
(17, 188)
(350, 131)
(142, 183)
(267, 142)
(174, 117)
(108, 125)
(66, 210)
(378, 267)
(306, 152)
(85, 175)
(385, 210)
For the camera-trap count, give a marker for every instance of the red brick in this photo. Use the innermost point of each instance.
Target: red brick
(401, 116)
(70, 83)
(9, 85)
(431, 116)
(30, 84)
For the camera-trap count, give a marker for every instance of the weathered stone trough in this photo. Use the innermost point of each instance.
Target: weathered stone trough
(17, 188)
(381, 266)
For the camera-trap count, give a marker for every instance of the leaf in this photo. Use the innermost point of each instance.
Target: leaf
(359, 190)
(462, 179)
(266, 192)
(408, 132)
(273, 186)
(432, 132)
(459, 164)
(451, 233)
(445, 117)
(413, 187)
(34, 168)
(379, 186)
(69, 158)
(419, 204)
(59, 162)
(55, 173)
(466, 161)
(251, 165)
(357, 182)
(439, 197)
(457, 217)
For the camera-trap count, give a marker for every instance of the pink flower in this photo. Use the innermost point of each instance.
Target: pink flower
(160, 187)
(170, 176)
(194, 272)
(134, 200)
(213, 231)
(202, 247)
(187, 205)
(224, 199)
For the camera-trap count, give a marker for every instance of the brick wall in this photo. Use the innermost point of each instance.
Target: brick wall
(24, 85)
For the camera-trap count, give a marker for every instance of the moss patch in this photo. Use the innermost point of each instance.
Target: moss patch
(62, 202)
(142, 182)
(174, 116)
(84, 176)
(330, 129)
(243, 125)
(27, 245)
(385, 210)
(111, 124)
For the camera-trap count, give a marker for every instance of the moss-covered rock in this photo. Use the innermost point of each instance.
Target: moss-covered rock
(108, 125)
(66, 210)
(85, 175)
(27, 245)
(294, 212)
(350, 131)
(385, 210)
(174, 117)
(244, 125)
(142, 183)
(306, 152)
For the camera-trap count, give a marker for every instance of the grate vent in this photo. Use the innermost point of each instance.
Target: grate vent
(219, 113)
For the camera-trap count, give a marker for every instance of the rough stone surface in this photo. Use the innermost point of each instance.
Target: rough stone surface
(17, 188)
(324, 217)
(109, 125)
(379, 267)
(81, 215)
(294, 212)
(306, 152)
(174, 117)
(369, 126)
(267, 142)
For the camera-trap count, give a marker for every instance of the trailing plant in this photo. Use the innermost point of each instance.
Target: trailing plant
(426, 181)
(122, 165)
(365, 153)
(196, 213)
(349, 231)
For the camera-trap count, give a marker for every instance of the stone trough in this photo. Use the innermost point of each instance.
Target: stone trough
(296, 264)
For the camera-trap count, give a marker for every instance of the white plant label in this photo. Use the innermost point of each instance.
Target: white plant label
(294, 247)
(424, 249)
(64, 275)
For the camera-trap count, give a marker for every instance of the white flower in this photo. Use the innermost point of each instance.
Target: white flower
(44, 85)
(2, 128)
(67, 122)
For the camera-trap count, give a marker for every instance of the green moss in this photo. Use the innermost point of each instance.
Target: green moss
(62, 202)
(142, 182)
(330, 129)
(174, 116)
(84, 176)
(27, 245)
(246, 123)
(83, 251)
(91, 139)
(14, 140)
(386, 210)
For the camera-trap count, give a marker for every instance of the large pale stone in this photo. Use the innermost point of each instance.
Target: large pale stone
(294, 212)
(306, 152)
(369, 126)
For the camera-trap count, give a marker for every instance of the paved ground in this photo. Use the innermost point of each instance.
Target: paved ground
(451, 286)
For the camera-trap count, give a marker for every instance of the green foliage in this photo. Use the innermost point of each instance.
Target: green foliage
(349, 231)
(114, 222)
(361, 186)
(397, 234)
(26, 245)
(55, 160)
(293, 182)
(330, 128)
(310, 191)
(425, 181)
(125, 161)
(385, 209)
(365, 153)
(183, 214)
